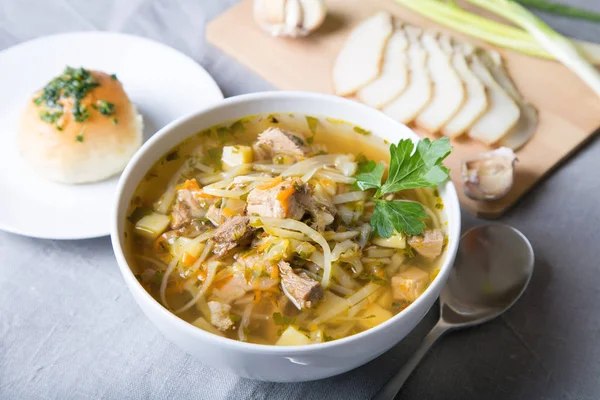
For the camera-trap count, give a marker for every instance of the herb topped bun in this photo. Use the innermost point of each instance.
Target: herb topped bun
(81, 127)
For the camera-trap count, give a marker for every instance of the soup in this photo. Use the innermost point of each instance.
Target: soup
(273, 230)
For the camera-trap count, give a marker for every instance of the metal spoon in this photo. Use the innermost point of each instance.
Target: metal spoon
(493, 266)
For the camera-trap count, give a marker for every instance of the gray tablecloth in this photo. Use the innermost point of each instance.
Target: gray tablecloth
(70, 329)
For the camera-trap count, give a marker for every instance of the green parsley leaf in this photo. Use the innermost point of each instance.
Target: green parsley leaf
(424, 168)
(408, 170)
(369, 175)
(79, 138)
(399, 215)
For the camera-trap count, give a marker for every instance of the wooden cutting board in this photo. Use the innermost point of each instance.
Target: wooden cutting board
(569, 111)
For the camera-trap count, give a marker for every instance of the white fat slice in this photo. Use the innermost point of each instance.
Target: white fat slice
(418, 91)
(526, 126)
(502, 113)
(475, 102)
(359, 61)
(448, 91)
(394, 74)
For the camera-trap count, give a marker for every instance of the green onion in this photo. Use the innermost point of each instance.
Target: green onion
(552, 41)
(562, 9)
(491, 31)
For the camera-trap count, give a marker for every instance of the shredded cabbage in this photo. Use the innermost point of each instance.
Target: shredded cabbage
(308, 231)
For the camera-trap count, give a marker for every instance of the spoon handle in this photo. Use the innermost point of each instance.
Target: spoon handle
(391, 389)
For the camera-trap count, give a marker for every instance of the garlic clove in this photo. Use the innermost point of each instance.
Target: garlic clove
(314, 12)
(289, 17)
(489, 176)
(293, 16)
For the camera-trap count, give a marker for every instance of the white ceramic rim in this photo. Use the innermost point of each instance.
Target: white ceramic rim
(449, 194)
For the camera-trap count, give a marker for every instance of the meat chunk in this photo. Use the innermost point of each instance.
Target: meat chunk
(410, 284)
(429, 245)
(219, 315)
(275, 141)
(301, 289)
(219, 213)
(188, 205)
(279, 199)
(232, 233)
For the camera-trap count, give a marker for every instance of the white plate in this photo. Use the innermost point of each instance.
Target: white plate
(163, 83)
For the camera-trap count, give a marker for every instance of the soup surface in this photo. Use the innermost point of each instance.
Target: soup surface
(257, 230)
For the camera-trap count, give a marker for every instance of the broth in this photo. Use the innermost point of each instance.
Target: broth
(271, 286)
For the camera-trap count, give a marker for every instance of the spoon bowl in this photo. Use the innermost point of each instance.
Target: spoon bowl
(493, 266)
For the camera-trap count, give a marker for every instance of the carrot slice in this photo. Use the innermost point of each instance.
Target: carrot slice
(269, 184)
(188, 260)
(283, 197)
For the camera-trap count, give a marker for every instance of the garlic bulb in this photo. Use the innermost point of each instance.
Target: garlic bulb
(489, 176)
(289, 17)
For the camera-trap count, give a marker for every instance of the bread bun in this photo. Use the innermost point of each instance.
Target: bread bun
(85, 133)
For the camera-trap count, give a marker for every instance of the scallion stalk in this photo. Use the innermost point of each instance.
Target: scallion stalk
(494, 32)
(552, 41)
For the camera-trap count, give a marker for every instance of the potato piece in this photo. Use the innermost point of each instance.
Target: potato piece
(184, 245)
(502, 113)
(396, 241)
(410, 284)
(373, 316)
(418, 91)
(358, 63)
(292, 337)
(448, 91)
(394, 74)
(236, 155)
(385, 300)
(152, 225)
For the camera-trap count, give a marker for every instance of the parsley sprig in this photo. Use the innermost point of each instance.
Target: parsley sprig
(408, 170)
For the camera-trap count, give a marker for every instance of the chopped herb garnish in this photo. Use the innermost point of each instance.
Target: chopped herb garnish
(327, 338)
(172, 156)
(212, 157)
(79, 138)
(361, 131)
(104, 107)
(114, 76)
(284, 320)
(272, 119)
(51, 116)
(157, 277)
(223, 133)
(74, 84)
(312, 125)
(114, 120)
(237, 127)
(424, 168)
